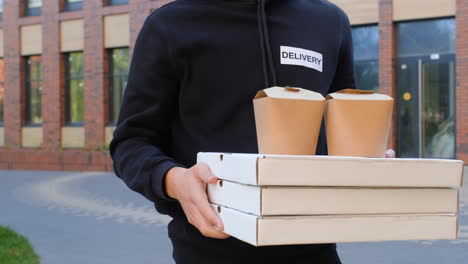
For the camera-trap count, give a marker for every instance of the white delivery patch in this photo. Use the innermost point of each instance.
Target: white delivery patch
(301, 57)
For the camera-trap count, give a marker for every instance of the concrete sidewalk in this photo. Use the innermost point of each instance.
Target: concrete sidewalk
(93, 218)
(83, 218)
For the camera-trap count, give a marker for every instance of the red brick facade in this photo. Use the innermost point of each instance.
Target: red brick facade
(13, 108)
(95, 108)
(51, 155)
(73, 160)
(387, 55)
(53, 105)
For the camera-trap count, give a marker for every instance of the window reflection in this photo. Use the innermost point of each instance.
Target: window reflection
(33, 87)
(366, 57)
(1, 9)
(34, 3)
(74, 88)
(117, 2)
(2, 89)
(118, 74)
(367, 74)
(426, 37)
(73, 5)
(32, 7)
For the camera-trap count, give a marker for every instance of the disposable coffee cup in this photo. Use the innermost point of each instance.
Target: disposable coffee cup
(357, 123)
(288, 120)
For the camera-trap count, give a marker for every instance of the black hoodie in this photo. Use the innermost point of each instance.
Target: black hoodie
(196, 66)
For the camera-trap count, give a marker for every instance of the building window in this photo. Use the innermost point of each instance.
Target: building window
(33, 89)
(73, 5)
(74, 91)
(366, 57)
(118, 74)
(117, 2)
(2, 90)
(32, 7)
(1, 9)
(414, 38)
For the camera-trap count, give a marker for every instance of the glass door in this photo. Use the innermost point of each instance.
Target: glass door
(426, 107)
(407, 104)
(438, 109)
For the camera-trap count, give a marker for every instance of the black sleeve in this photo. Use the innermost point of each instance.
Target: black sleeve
(344, 75)
(139, 143)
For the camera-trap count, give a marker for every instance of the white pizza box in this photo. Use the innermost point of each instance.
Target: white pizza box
(291, 170)
(289, 230)
(332, 200)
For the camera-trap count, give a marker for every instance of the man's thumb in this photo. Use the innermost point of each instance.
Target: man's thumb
(206, 175)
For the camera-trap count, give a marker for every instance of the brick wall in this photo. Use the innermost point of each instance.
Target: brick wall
(72, 160)
(94, 94)
(12, 103)
(462, 80)
(51, 155)
(53, 106)
(387, 52)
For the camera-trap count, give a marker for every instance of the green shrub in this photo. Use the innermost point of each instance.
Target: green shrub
(15, 249)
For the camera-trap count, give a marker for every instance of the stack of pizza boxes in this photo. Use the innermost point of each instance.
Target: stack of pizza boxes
(288, 195)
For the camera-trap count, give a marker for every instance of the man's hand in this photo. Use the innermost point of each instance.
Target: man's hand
(390, 153)
(188, 186)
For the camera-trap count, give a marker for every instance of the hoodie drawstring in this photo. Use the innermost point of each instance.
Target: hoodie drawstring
(267, 56)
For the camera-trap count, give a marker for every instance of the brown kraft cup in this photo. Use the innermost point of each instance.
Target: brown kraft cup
(358, 123)
(288, 120)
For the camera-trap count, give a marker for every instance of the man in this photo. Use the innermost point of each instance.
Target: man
(196, 67)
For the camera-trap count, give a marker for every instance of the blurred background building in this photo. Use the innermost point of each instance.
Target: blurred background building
(64, 66)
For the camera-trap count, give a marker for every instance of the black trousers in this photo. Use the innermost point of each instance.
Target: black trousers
(185, 253)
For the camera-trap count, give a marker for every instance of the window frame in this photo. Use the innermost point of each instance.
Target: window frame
(398, 40)
(72, 6)
(27, 91)
(67, 81)
(2, 105)
(31, 11)
(116, 2)
(1, 10)
(112, 117)
(366, 62)
(367, 26)
(368, 59)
